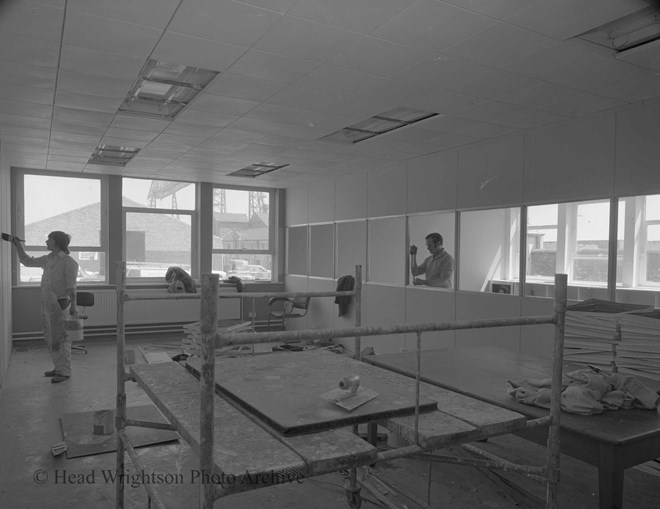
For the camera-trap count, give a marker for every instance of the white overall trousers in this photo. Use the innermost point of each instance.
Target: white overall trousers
(53, 316)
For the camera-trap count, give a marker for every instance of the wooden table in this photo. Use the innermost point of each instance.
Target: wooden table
(612, 441)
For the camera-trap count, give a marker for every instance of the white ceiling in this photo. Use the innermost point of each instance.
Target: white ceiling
(293, 71)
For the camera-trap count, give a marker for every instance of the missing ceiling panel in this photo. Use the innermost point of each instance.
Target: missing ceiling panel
(378, 124)
(348, 135)
(163, 89)
(111, 155)
(255, 170)
(631, 31)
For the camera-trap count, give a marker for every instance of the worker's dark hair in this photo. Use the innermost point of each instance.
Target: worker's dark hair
(435, 237)
(61, 239)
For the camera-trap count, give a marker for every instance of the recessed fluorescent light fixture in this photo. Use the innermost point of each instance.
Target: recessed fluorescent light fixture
(255, 170)
(378, 124)
(163, 89)
(628, 32)
(112, 155)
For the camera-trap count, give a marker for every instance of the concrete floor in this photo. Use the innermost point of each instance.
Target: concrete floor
(30, 407)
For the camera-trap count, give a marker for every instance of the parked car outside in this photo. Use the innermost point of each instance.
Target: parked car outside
(251, 273)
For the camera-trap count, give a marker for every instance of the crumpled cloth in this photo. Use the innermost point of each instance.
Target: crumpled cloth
(587, 392)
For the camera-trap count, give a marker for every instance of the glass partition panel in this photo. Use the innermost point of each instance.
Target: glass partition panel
(489, 250)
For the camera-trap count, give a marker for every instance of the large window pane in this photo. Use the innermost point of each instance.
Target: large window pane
(72, 205)
(240, 219)
(541, 242)
(653, 254)
(159, 194)
(90, 267)
(489, 254)
(638, 242)
(589, 250)
(252, 267)
(156, 241)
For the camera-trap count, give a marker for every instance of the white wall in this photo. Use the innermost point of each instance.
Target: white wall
(5, 269)
(606, 155)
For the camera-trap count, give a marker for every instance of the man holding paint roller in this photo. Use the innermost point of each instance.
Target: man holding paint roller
(58, 294)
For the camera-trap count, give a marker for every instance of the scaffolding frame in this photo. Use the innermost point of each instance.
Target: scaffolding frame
(212, 338)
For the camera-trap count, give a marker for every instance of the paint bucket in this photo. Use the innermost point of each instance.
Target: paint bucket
(74, 329)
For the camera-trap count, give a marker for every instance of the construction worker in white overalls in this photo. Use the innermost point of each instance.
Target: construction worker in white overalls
(58, 296)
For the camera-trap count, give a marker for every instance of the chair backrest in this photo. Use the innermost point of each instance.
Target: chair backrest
(84, 299)
(302, 303)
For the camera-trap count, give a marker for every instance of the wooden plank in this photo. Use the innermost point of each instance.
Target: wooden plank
(285, 390)
(243, 450)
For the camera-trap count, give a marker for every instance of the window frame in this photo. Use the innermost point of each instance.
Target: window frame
(272, 230)
(18, 222)
(194, 228)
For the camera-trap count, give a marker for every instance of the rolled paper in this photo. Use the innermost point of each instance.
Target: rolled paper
(350, 383)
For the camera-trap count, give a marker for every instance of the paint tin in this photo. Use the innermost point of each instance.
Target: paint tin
(74, 329)
(350, 383)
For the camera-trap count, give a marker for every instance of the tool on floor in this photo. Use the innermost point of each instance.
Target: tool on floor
(58, 448)
(349, 395)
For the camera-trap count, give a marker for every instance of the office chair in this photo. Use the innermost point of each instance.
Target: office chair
(282, 308)
(83, 300)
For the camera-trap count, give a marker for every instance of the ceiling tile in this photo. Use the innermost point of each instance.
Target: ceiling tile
(432, 25)
(183, 49)
(440, 71)
(448, 123)
(20, 120)
(499, 9)
(82, 116)
(177, 127)
(634, 91)
(321, 42)
(272, 67)
(561, 58)
(134, 135)
(647, 55)
(485, 131)
(221, 104)
(21, 49)
(26, 74)
(539, 95)
(303, 118)
(32, 19)
(586, 104)
(243, 87)
(499, 44)
(150, 13)
(493, 83)
(75, 128)
(604, 75)
(443, 101)
(362, 17)
(26, 93)
(110, 35)
(33, 110)
(223, 20)
(100, 63)
(375, 56)
(140, 122)
(90, 84)
(87, 102)
(562, 19)
(205, 118)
